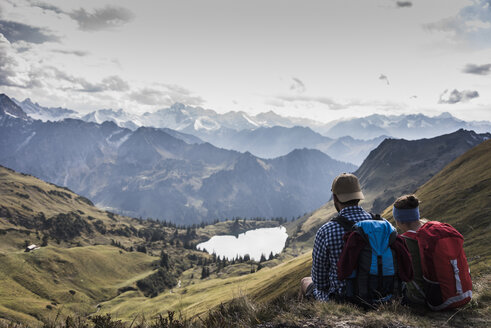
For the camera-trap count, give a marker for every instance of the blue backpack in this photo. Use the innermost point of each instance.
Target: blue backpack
(375, 279)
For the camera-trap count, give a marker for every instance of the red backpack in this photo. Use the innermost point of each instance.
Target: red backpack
(444, 265)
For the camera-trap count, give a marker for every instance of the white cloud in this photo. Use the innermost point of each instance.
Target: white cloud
(456, 96)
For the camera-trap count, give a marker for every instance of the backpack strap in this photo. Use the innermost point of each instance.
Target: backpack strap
(410, 234)
(344, 222)
(376, 217)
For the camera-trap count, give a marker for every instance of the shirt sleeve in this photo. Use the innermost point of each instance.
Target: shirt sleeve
(320, 266)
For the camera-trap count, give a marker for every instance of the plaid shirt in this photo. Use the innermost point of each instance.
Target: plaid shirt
(328, 245)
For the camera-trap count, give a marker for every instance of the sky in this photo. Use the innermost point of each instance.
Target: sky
(322, 60)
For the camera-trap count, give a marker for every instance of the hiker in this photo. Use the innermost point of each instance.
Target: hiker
(324, 284)
(357, 257)
(441, 273)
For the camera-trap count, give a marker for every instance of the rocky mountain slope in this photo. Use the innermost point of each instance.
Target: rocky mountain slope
(398, 167)
(38, 112)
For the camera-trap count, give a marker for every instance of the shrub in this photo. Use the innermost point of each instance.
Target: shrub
(157, 282)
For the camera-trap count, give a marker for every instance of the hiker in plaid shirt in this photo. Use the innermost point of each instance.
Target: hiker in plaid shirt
(324, 284)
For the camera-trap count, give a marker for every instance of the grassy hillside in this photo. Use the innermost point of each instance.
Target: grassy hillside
(201, 296)
(35, 285)
(460, 194)
(29, 204)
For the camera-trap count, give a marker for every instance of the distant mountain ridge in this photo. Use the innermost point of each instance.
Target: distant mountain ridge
(207, 122)
(413, 126)
(38, 112)
(148, 172)
(269, 135)
(270, 142)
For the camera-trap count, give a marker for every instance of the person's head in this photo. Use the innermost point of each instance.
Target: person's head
(406, 212)
(346, 191)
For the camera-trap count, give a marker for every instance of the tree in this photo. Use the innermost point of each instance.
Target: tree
(263, 258)
(205, 272)
(271, 256)
(164, 260)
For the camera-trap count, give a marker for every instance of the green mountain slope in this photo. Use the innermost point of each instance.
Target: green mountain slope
(460, 195)
(35, 285)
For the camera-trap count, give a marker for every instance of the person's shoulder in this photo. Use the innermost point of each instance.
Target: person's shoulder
(328, 227)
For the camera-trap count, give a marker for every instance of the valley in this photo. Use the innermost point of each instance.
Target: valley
(123, 241)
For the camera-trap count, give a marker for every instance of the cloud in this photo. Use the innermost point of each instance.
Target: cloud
(477, 69)
(322, 100)
(54, 78)
(101, 19)
(384, 78)
(78, 53)
(7, 64)
(472, 24)
(455, 96)
(15, 32)
(166, 95)
(404, 4)
(111, 83)
(114, 83)
(297, 85)
(47, 7)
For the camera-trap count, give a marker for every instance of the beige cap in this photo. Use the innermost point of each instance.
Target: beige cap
(346, 187)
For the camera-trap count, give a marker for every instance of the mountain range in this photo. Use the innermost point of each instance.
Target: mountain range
(207, 122)
(151, 173)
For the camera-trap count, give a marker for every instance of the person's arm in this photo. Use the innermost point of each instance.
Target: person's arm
(320, 266)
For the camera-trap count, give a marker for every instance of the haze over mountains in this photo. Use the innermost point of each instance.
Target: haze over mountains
(150, 173)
